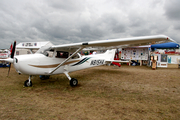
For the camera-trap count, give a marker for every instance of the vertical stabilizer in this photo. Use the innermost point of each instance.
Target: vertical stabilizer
(109, 54)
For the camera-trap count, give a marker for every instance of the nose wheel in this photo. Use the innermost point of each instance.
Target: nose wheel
(28, 82)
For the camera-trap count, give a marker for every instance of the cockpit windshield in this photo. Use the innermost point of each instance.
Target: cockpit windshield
(44, 49)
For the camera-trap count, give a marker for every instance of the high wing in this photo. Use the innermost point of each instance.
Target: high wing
(115, 43)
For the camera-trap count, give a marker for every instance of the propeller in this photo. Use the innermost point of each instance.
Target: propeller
(12, 55)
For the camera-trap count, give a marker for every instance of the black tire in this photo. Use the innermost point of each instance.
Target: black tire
(73, 82)
(27, 84)
(41, 77)
(44, 77)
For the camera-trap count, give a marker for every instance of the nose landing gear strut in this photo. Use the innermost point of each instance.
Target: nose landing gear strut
(28, 82)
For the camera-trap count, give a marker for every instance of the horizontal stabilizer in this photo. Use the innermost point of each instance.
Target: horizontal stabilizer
(118, 61)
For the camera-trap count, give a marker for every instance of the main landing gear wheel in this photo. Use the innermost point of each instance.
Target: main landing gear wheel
(73, 82)
(28, 83)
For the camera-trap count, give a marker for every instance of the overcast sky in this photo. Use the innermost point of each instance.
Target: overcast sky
(71, 21)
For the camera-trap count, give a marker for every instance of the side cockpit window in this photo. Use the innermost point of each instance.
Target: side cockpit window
(61, 54)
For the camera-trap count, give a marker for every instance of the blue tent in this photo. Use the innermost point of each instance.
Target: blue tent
(169, 45)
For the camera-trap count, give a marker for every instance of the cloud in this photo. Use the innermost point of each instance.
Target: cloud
(67, 6)
(83, 20)
(172, 10)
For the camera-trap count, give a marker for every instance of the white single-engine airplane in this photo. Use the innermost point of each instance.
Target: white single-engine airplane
(66, 58)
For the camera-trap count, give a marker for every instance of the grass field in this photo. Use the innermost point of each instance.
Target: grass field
(127, 93)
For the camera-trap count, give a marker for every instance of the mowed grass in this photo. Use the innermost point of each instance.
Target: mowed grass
(127, 93)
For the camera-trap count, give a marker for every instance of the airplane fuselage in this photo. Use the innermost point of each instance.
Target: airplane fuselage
(39, 64)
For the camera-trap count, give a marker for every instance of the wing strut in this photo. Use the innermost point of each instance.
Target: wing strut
(66, 60)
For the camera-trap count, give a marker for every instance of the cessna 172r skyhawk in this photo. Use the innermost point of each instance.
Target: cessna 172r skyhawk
(65, 58)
